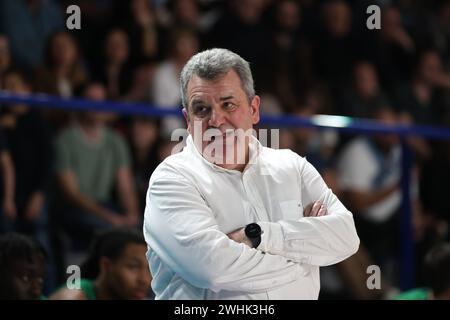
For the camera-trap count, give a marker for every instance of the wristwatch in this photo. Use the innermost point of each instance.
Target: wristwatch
(253, 232)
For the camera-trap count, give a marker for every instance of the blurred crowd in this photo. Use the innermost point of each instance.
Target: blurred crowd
(66, 176)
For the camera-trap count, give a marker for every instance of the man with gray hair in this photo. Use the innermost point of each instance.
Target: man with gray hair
(223, 226)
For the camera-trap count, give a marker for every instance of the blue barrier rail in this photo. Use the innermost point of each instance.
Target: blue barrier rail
(339, 123)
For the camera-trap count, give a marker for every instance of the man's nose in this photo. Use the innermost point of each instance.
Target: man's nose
(217, 118)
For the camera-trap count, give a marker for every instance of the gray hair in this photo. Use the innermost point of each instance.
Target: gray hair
(212, 63)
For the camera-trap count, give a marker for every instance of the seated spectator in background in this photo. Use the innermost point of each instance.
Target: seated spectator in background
(28, 24)
(8, 206)
(365, 94)
(421, 100)
(317, 146)
(292, 64)
(30, 146)
(391, 49)
(368, 173)
(435, 188)
(114, 69)
(139, 20)
(62, 71)
(144, 141)
(437, 270)
(241, 28)
(116, 268)
(5, 57)
(186, 15)
(61, 74)
(346, 279)
(92, 161)
(334, 48)
(440, 29)
(22, 267)
(29, 143)
(165, 86)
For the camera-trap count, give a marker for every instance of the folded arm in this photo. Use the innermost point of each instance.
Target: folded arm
(181, 229)
(319, 240)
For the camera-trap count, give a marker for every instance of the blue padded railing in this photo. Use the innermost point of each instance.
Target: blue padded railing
(339, 123)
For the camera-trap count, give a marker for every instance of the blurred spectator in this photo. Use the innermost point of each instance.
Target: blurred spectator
(319, 98)
(317, 146)
(5, 57)
(368, 172)
(240, 29)
(433, 29)
(165, 90)
(96, 19)
(92, 160)
(62, 72)
(310, 16)
(365, 94)
(435, 188)
(193, 15)
(391, 48)
(334, 49)
(168, 148)
(437, 269)
(441, 30)
(292, 61)
(115, 70)
(116, 268)
(146, 35)
(8, 209)
(28, 24)
(185, 14)
(22, 268)
(144, 142)
(423, 99)
(143, 76)
(30, 146)
(420, 99)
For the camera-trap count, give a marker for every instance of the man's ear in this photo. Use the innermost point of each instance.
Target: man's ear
(186, 117)
(254, 109)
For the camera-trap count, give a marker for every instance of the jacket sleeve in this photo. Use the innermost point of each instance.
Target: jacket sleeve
(318, 241)
(181, 229)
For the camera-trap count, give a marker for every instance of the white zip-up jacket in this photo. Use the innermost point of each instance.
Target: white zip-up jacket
(192, 204)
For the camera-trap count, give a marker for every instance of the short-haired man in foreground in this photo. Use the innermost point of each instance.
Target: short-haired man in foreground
(227, 218)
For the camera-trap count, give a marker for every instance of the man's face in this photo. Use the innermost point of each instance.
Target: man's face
(26, 279)
(129, 275)
(222, 106)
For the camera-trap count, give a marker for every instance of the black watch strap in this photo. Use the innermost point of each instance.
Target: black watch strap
(253, 232)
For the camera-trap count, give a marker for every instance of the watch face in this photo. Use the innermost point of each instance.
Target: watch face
(253, 230)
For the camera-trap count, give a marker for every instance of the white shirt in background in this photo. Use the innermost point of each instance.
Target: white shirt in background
(165, 93)
(358, 169)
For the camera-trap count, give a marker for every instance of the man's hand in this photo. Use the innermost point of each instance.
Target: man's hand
(240, 237)
(315, 209)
